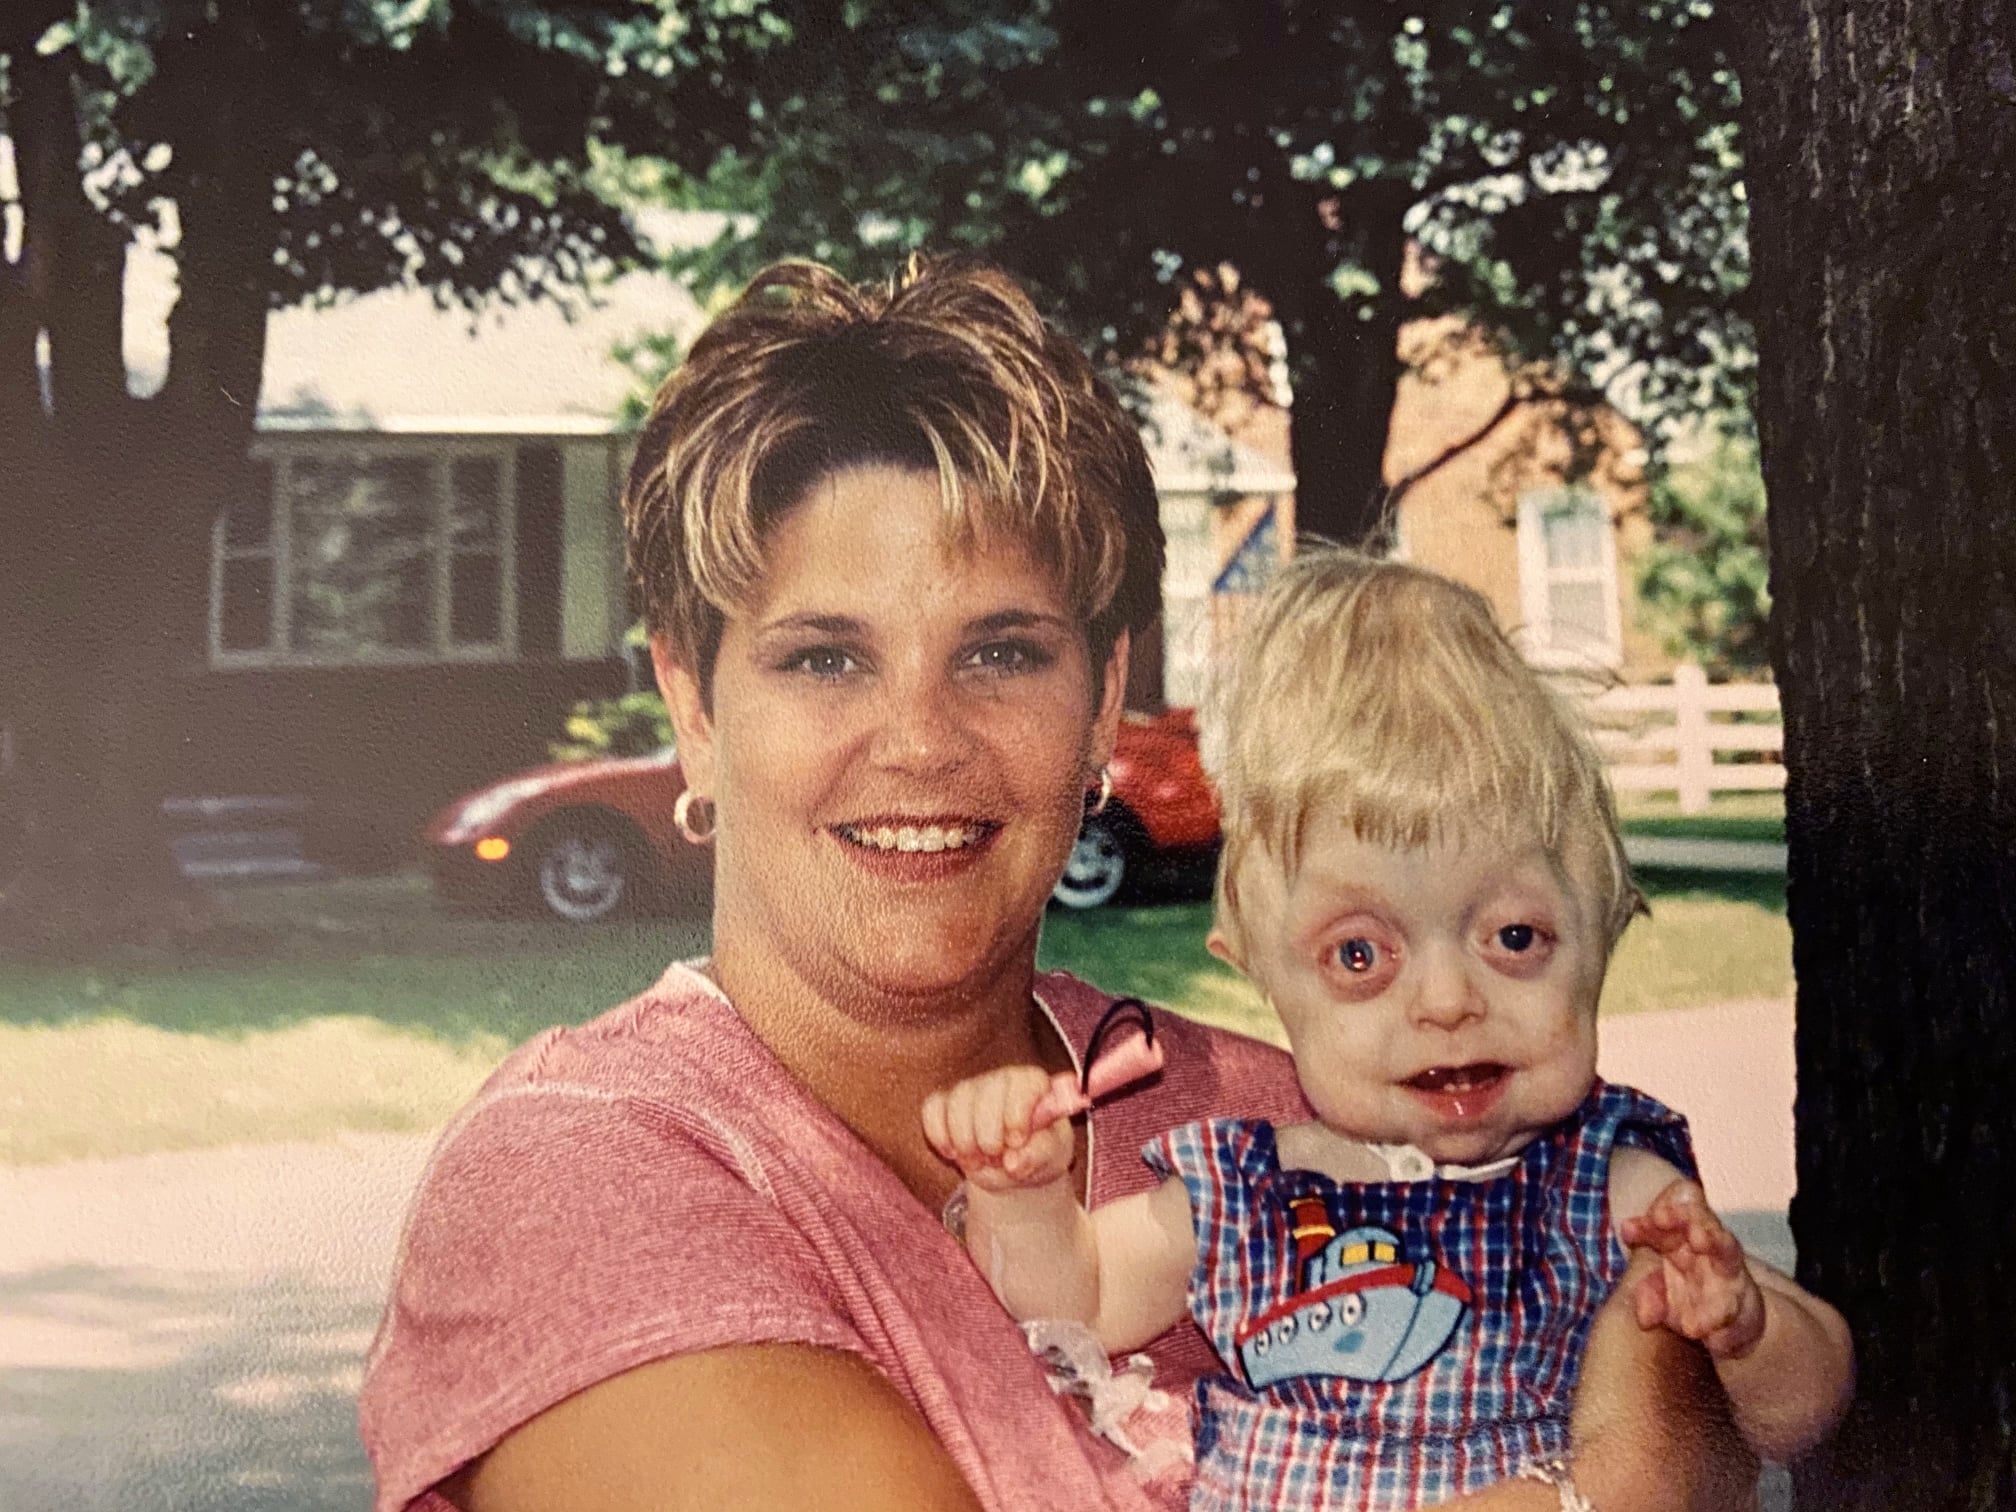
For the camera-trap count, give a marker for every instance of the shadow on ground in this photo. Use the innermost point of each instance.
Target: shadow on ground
(145, 1389)
(1761, 889)
(376, 947)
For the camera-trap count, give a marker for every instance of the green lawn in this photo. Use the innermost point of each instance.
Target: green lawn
(1730, 816)
(357, 1005)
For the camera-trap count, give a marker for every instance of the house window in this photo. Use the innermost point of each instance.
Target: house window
(1568, 577)
(366, 552)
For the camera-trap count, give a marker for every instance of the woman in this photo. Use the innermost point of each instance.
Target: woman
(891, 549)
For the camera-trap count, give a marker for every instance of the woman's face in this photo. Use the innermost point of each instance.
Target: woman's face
(898, 748)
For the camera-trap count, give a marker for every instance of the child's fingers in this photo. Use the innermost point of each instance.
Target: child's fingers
(989, 1098)
(936, 1133)
(1649, 1302)
(959, 1121)
(1651, 1231)
(1720, 1248)
(1025, 1090)
(1740, 1334)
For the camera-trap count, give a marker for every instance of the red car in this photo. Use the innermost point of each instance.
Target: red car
(1162, 810)
(585, 841)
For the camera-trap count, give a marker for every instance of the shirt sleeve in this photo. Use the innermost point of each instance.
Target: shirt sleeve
(1645, 1123)
(562, 1236)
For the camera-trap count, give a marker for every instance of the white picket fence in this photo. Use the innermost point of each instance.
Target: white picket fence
(1663, 737)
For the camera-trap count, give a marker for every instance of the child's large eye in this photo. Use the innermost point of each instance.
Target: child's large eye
(1521, 948)
(1358, 955)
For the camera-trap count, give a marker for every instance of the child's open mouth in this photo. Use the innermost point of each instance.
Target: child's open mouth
(1460, 1092)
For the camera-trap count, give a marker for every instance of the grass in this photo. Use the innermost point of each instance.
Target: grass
(1730, 816)
(358, 1005)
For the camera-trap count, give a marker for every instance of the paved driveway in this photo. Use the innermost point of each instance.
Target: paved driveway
(185, 1331)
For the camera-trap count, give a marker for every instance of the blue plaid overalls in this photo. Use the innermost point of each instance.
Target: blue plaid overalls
(1395, 1344)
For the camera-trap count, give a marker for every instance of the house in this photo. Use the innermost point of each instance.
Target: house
(1546, 532)
(425, 572)
(1553, 556)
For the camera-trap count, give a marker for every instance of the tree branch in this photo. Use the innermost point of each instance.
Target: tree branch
(1516, 397)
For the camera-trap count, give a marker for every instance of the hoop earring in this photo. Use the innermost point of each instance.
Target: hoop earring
(682, 818)
(1105, 792)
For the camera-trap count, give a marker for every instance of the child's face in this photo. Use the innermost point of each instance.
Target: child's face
(1442, 996)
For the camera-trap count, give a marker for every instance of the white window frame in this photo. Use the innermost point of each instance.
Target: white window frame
(440, 453)
(1537, 580)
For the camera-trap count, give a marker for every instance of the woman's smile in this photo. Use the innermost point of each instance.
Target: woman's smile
(903, 731)
(916, 850)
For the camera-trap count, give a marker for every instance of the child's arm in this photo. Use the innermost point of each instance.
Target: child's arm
(1123, 1271)
(1784, 1356)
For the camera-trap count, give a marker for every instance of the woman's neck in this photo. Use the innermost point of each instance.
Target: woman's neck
(871, 1058)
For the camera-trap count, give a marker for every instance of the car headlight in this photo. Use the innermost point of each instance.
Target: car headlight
(487, 807)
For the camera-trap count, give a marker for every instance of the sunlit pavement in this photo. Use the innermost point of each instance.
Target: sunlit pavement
(186, 1331)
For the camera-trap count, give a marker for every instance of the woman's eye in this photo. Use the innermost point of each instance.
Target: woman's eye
(1009, 656)
(825, 663)
(1518, 938)
(1358, 956)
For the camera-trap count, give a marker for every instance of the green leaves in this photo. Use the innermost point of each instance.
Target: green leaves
(1703, 583)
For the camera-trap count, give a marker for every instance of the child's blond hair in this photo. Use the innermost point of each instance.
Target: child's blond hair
(1388, 696)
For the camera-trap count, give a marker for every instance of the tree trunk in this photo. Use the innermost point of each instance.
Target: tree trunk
(1345, 369)
(112, 523)
(1881, 143)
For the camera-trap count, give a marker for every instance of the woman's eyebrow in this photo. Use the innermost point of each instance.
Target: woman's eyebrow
(1017, 619)
(823, 624)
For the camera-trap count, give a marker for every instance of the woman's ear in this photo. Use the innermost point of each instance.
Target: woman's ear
(1112, 699)
(692, 726)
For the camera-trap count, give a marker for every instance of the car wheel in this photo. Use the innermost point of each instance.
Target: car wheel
(1097, 868)
(584, 870)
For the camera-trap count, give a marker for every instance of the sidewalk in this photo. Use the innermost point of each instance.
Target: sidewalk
(186, 1331)
(1705, 855)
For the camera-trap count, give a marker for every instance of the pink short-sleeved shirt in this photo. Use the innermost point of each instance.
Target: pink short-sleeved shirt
(653, 1183)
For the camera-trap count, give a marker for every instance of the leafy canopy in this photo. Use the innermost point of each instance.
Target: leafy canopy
(1568, 172)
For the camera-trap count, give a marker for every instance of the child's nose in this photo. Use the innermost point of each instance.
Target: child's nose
(1445, 997)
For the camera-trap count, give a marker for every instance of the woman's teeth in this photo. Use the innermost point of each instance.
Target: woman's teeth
(909, 837)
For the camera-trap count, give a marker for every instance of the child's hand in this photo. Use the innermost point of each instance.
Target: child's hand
(991, 1128)
(1703, 1289)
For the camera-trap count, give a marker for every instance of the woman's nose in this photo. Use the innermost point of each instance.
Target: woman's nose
(921, 725)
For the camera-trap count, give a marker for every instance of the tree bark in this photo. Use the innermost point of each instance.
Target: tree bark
(1344, 362)
(1881, 151)
(112, 512)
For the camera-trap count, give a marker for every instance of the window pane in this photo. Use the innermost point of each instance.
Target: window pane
(1576, 611)
(1574, 532)
(245, 617)
(248, 520)
(478, 486)
(363, 555)
(476, 600)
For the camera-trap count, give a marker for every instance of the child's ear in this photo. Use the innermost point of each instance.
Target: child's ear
(1221, 945)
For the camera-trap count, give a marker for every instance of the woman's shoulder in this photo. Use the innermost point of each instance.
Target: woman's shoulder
(678, 1027)
(671, 1077)
(1247, 1076)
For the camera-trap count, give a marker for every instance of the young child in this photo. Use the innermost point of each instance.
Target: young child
(1422, 874)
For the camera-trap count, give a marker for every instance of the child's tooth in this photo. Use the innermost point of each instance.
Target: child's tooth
(906, 838)
(886, 838)
(931, 840)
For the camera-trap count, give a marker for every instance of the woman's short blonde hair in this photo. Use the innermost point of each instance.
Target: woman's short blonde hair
(947, 367)
(1388, 697)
